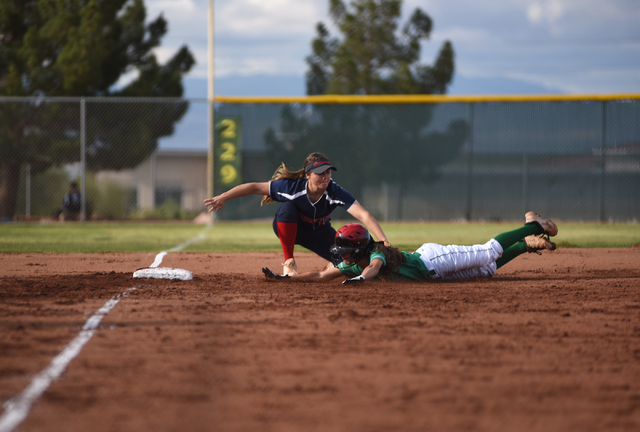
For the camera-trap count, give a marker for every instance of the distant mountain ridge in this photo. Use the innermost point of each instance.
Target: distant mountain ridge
(294, 85)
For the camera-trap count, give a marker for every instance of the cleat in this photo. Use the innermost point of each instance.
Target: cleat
(548, 227)
(535, 244)
(289, 268)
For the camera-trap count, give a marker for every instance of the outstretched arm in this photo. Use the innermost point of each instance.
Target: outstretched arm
(217, 202)
(369, 272)
(324, 275)
(357, 211)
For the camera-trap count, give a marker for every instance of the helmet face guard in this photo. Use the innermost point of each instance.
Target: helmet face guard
(352, 239)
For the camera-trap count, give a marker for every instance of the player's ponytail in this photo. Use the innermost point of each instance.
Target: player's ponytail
(392, 255)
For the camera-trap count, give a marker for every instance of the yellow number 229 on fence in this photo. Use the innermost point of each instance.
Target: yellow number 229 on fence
(228, 155)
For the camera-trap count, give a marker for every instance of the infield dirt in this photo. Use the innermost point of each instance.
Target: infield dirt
(551, 343)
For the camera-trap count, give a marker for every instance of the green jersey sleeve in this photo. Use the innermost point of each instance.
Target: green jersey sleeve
(353, 270)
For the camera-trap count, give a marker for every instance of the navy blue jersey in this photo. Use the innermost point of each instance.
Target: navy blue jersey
(312, 215)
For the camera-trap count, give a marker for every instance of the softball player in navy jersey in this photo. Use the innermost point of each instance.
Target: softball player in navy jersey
(364, 259)
(308, 197)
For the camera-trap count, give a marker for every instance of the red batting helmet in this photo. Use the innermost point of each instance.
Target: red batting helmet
(352, 238)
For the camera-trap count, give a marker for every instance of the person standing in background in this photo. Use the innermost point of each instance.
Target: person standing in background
(71, 205)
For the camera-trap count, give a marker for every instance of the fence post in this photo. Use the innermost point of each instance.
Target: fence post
(210, 151)
(28, 194)
(384, 193)
(153, 177)
(470, 164)
(525, 182)
(211, 106)
(83, 161)
(602, 160)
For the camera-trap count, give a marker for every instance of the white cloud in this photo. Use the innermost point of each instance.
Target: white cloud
(127, 78)
(174, 10)
(267, 17)
(549, 11)
(251, 36)
(559, 43)
(163, 53)
(534, 13)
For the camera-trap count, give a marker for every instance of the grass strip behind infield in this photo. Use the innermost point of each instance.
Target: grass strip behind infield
(259, 236)
(95, 237)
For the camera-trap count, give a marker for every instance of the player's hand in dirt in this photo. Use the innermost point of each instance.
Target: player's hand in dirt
(271, 275)
(354, 280)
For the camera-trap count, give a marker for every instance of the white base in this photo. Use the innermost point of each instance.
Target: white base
(163, 273)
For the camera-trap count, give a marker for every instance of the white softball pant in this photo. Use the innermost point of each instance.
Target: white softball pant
(461, 262)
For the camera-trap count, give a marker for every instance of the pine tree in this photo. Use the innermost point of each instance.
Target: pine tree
(371, 143)
(372, 57)
(81, 48)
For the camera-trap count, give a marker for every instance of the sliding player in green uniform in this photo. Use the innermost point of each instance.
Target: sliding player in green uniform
(364, 259)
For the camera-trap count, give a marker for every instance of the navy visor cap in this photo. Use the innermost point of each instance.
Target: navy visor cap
(319, 166)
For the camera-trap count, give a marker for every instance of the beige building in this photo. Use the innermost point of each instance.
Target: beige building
(177, 174)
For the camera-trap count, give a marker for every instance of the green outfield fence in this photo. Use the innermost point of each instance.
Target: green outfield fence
(405, 158)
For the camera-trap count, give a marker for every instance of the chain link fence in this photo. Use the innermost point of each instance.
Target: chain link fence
(443, 159)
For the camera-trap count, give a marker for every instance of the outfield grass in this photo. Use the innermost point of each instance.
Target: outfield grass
(95, 237)
(258, 236)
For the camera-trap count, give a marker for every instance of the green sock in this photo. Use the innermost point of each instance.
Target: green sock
(510, 238)
(511, 252)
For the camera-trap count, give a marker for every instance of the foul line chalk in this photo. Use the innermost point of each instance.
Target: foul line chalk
(158, 259)
(178, 248)
(17, 408)
(197, 238)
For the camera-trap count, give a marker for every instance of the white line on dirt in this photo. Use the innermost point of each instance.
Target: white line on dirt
(161, 255)
(158, 259)
(17, 408)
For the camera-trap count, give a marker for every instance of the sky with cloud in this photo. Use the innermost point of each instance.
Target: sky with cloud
(565, 46)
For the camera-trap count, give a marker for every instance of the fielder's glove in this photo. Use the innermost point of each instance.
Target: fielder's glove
(271, 275)
(354, 280)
